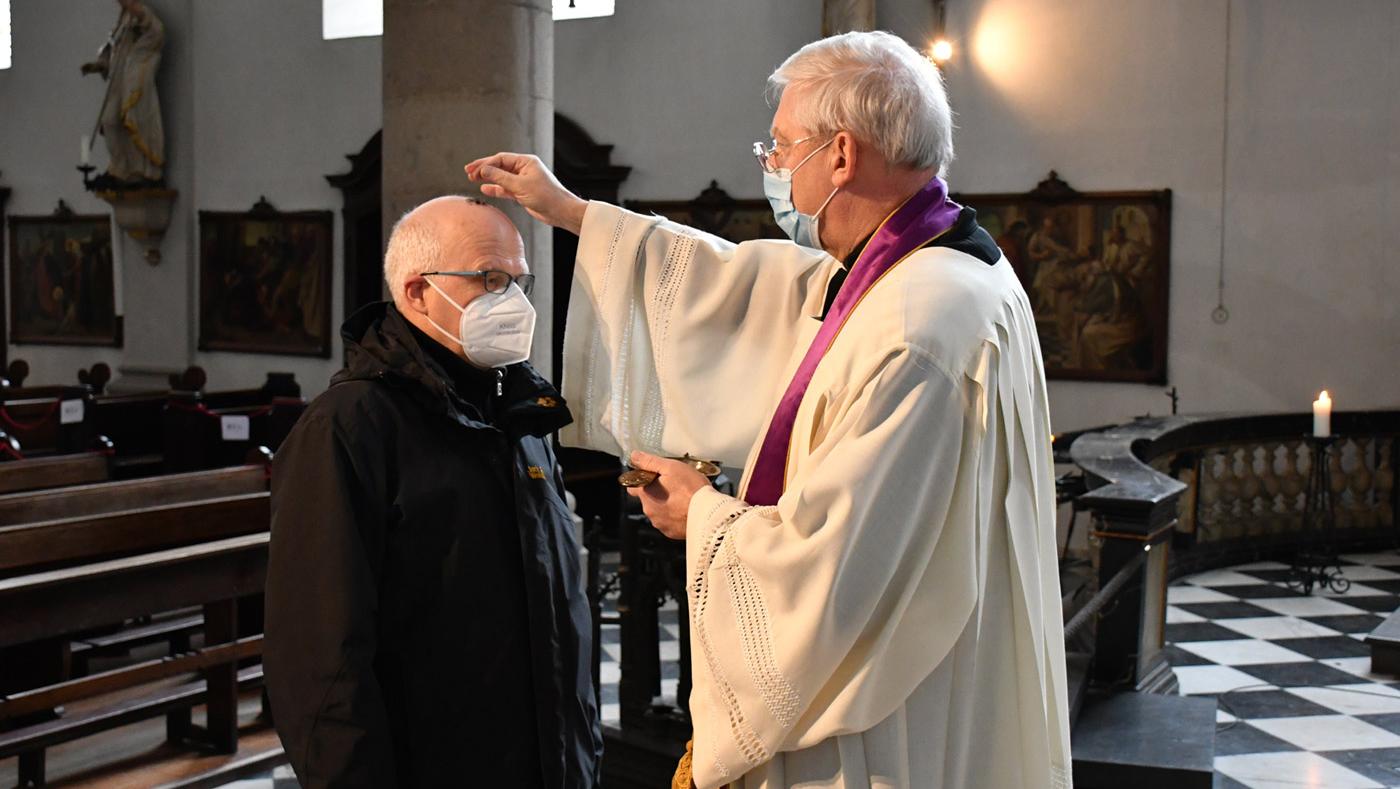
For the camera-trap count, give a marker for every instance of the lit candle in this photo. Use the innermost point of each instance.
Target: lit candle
(86, 147)
(1322, 415)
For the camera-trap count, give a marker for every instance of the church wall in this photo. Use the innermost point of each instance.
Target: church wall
(46, 106)
(254, 102)
(277, 108)
(1113, 95)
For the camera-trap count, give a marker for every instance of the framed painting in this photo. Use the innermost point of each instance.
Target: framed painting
(715, 212)
(1096, 266)
(62, 280)
(265, 281)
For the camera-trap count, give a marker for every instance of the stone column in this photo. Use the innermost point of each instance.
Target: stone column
(463, 79)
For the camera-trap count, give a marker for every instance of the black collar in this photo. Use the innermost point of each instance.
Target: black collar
(965, 236)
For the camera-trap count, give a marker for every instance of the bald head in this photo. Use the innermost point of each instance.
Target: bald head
(450, 233)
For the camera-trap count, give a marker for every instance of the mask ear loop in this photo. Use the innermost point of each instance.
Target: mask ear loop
(455, 338)
(826, 202)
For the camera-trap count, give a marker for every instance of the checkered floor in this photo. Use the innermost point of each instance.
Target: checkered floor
(610, 668)
(1298, 706)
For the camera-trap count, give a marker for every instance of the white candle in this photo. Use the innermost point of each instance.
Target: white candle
(1322, 415)
(86, 147)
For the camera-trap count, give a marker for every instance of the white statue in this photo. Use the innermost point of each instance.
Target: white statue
(130, 115)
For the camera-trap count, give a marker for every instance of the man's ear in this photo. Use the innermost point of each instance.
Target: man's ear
(414, 291)
(845, 153)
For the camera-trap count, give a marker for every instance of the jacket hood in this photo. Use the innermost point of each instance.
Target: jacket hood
(380, 346)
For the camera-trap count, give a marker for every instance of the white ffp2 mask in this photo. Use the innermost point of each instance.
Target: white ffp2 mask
(496, 329)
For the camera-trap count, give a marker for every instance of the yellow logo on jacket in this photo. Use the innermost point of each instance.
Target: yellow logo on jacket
(535, 472)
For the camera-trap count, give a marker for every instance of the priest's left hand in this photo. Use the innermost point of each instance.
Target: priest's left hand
(666, 501)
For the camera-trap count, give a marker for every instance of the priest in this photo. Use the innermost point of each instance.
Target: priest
(880, 606)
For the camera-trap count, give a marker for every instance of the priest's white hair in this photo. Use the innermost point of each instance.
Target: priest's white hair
(878, 88)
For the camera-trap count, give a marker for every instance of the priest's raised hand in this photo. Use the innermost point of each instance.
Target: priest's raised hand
(666, 501)
(523, 178)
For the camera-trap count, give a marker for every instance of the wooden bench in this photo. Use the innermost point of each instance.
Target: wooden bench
(92, 499)
(54, 471)
(201, 436)
(52, 604)
(25, 547)
(48, 420)
(86, 523)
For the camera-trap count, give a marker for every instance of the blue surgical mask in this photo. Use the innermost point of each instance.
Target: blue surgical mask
(803, 228)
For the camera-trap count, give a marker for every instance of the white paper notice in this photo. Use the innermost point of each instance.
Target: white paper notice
(70, 412)
(235, 428)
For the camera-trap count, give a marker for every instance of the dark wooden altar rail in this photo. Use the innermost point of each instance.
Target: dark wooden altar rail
(93, 499)
(54, 471)
(53, 604)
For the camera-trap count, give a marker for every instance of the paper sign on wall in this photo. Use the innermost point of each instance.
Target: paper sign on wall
(70, 412)
(235, 428)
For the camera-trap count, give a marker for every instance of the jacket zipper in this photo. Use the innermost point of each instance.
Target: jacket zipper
(500, 377)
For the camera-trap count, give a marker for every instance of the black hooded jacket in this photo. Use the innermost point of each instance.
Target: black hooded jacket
(427, 623)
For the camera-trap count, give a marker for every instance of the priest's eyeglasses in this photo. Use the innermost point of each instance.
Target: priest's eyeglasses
(766, 153)
(495, 281)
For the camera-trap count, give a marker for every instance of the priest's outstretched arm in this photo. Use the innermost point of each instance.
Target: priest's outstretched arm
(677, 341)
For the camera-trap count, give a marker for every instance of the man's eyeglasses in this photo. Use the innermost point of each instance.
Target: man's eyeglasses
(766, 152)
(495, 281)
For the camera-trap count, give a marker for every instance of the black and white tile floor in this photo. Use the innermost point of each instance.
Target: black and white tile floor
(1299, 708)
(1298, 704)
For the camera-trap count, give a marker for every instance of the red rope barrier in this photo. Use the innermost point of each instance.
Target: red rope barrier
(17, 425)
(200, 408)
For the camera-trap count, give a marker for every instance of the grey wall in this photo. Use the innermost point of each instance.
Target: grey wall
(1114, 94)
(276, 108)
(254, 103)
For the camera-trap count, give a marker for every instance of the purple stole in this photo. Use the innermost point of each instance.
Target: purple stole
(923, 217)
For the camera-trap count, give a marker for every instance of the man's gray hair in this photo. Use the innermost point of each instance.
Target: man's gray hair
(414, 247)
(878, 88)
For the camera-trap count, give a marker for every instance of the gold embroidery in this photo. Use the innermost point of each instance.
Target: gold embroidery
(535, 472)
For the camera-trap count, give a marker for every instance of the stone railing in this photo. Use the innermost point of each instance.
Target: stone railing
(1196, 492)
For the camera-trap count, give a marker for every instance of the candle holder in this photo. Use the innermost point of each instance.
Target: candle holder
(86, 170)
(1316, 563)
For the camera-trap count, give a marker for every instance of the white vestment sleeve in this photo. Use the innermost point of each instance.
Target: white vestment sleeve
(678, 341)
(819, 616)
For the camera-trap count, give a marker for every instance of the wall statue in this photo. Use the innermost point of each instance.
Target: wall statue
(130, 116)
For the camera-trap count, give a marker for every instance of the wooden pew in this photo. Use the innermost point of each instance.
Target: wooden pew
(56, 530)
(61, 527)
(94, 499)
(54, 471)
(136, 421)
(199, 435)
(25, 547)
(48, 420)
(52, 604)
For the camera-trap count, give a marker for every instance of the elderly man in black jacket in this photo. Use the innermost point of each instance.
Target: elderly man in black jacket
(426, 618)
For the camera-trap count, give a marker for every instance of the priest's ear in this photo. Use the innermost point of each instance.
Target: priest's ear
(845, 153)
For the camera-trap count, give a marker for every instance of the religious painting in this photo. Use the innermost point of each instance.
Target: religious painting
(715, 212)
(62, 280)
(265, 281)
(1095, 266)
